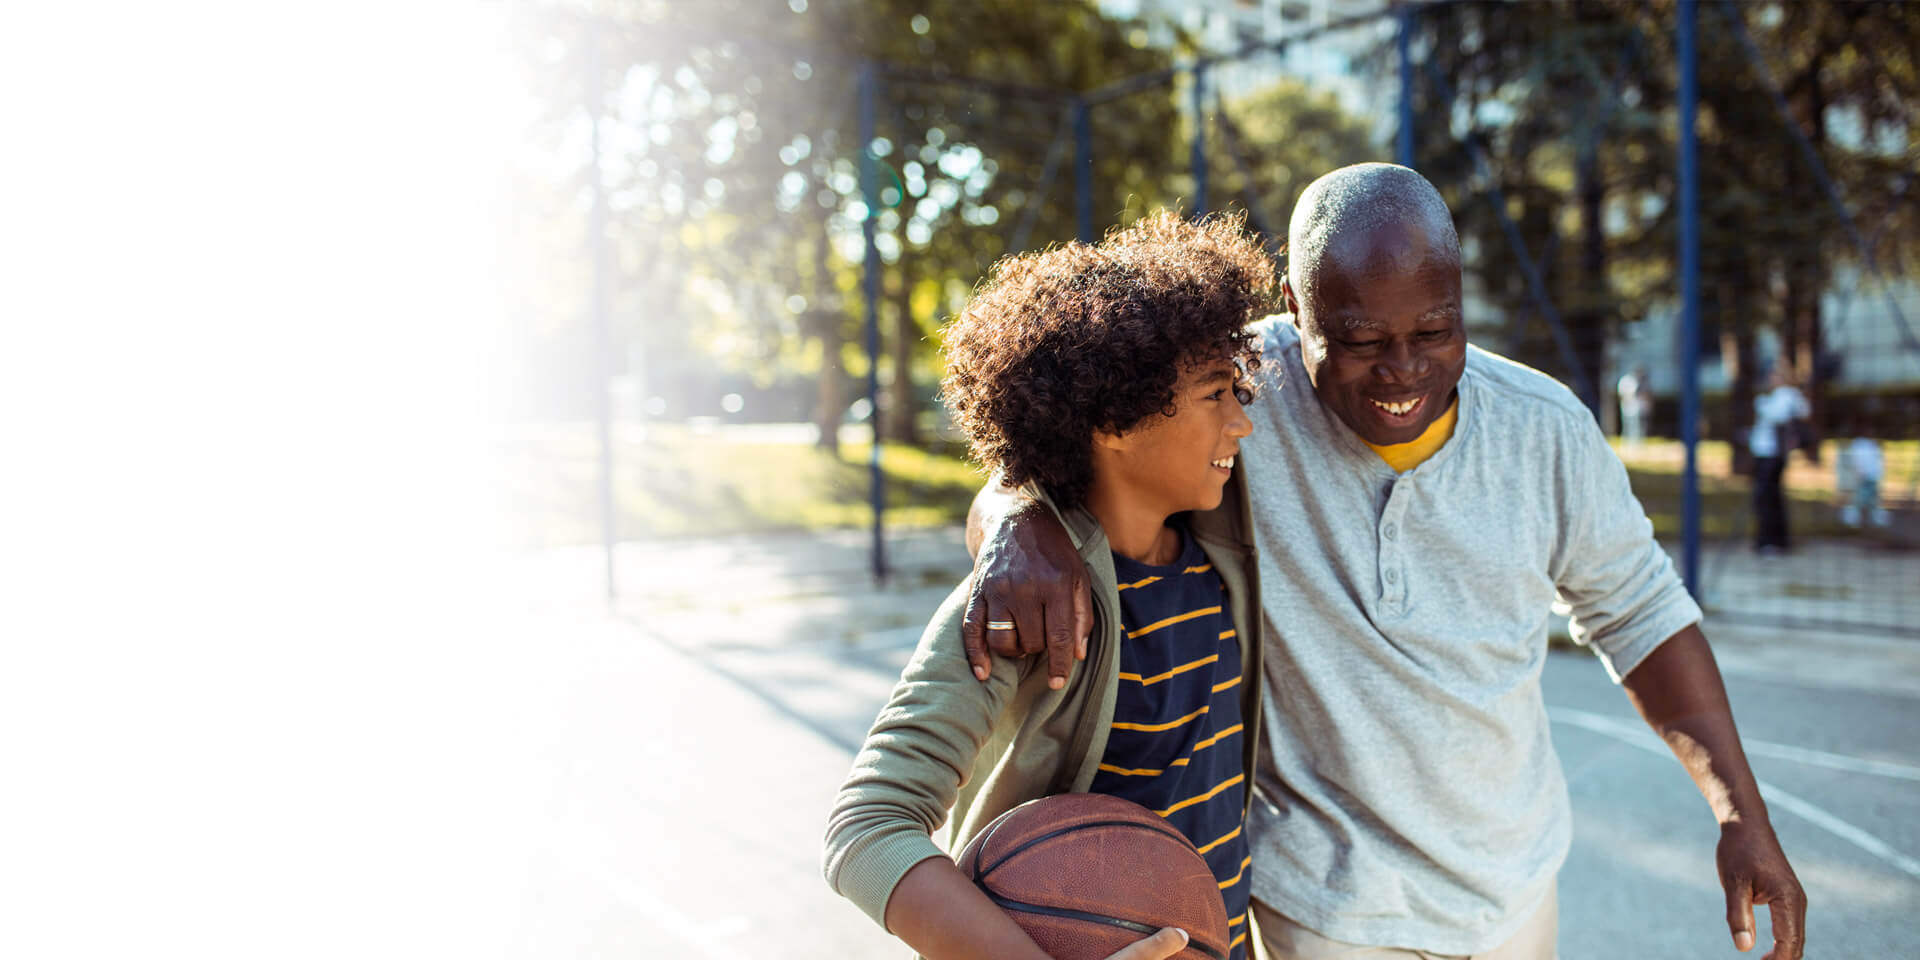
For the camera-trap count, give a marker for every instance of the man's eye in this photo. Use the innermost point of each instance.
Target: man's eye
(1360, 344)
(1434, 336)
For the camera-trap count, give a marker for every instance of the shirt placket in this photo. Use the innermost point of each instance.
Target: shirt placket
(1389, 536)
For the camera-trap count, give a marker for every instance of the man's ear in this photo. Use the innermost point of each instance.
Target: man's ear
(1286, 296)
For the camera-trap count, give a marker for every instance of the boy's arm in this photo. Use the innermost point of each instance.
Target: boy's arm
(1026, 573)
(879, 852)
(911, 767)
(938, 912)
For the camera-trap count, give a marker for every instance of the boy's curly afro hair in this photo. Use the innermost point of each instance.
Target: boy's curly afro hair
(1057, 344)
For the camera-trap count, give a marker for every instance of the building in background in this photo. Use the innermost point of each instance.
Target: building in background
(1224, 27)
(1868, 352)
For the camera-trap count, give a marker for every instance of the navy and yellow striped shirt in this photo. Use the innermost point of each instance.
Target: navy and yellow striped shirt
(1175, 745)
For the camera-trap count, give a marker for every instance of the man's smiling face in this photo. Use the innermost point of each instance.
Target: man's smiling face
(1381, 331)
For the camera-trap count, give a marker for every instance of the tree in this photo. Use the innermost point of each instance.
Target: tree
(1571, 105)
(1265, 147)
(736, 154)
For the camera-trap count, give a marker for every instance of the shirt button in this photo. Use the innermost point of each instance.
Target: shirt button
(1392, 576)
(1389, 531)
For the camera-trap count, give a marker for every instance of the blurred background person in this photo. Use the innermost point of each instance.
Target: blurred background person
(1779, 416)
(1636, 401)
(1859, 472)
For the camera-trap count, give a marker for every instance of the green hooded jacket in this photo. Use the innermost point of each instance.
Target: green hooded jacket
(949, 751)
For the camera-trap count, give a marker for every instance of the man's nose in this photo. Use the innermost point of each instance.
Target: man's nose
(1400, 361)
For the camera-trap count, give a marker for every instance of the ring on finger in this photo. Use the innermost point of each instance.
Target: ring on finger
(999, 624)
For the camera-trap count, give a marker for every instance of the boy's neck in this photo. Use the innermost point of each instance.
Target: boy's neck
(1135, 531)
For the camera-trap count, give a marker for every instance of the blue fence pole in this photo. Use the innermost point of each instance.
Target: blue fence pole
(1199, 139)
(870, 196)
(1083, 168)
(1689, 298)
(1404, 148)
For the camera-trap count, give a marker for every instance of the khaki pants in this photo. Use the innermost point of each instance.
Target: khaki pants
(1275, 937)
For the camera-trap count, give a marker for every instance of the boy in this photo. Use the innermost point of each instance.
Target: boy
(1107, 380)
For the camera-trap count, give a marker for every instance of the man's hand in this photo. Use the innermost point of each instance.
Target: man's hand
(1678, 691)
(1160, 946)
(1029, 593)
(1753, 869)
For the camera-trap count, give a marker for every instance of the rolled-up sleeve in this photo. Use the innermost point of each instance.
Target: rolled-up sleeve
(1625, 595)
(915, 760)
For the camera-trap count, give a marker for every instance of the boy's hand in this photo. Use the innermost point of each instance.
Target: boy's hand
(1160, 946)
(1029, 593)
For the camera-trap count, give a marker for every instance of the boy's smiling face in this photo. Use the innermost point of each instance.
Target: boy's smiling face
(1168, 464)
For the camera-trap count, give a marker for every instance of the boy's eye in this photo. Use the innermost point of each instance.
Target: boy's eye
(1217, 394)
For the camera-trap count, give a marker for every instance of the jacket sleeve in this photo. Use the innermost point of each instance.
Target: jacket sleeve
(915, 760)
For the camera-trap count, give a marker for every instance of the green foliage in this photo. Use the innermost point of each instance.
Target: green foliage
(729, 134)
(1573, 102)
(1264, 148)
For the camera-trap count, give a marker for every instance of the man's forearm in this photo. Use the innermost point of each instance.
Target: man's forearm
(1679, 692)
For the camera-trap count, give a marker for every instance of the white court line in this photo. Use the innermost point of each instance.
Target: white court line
(1755, 748)
(1644, 738)
(1832, 761)
(1840, 828)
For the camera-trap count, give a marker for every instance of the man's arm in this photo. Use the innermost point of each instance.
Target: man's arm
(1025, 573)
(1678, 691)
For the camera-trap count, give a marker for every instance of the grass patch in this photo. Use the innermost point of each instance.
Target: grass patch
(677, 481)
(1655, 467)
(680, 482)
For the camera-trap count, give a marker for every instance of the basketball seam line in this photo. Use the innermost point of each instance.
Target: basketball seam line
(981, 874)
(1007, 903)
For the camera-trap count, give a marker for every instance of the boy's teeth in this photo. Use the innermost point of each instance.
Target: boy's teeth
(1224, 464)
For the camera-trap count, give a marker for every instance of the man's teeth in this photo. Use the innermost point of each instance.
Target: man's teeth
(1398, 409)
(1226, 464)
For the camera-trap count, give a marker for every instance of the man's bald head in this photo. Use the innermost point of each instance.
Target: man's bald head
(1352, 203)
(1373, 273)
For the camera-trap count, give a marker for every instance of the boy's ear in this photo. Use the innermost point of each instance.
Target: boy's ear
(1109, 440)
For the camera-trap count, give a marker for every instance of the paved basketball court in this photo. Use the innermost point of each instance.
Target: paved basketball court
(687, 750)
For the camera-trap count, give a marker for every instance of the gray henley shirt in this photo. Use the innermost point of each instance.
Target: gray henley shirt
(1409, 795)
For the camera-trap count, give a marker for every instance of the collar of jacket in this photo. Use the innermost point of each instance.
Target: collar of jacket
(1225, 531)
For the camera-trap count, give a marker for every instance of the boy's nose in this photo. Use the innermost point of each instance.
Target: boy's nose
(1239, 425)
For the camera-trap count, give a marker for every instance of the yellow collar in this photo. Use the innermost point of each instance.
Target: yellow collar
(1405, 456)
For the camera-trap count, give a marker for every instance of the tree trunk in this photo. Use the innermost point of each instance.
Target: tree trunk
(1589, 321)
(826, 322)
(902, 403)
(830, 399)
(1736, 358)
(1806, 277)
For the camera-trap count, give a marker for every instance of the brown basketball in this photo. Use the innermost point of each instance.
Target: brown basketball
(1085, 874)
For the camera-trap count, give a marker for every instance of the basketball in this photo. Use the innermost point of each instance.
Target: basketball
(1086, 874)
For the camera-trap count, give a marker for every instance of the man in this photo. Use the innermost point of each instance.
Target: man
(1636, 400)
(1415, 512)
(1779, 417)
